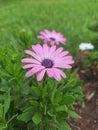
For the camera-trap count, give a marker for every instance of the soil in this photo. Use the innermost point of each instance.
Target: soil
(88, 113)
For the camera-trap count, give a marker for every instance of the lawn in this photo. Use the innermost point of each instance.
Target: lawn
(66, 16)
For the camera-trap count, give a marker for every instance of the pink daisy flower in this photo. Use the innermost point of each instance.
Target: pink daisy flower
(47, 60)
(53, 37)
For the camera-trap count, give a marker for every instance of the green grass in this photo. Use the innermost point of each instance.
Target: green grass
(21, 20)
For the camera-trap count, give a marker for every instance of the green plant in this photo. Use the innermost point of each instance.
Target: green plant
(28, 104)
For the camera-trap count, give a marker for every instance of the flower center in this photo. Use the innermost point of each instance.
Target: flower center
(51, 38)
(47, 63)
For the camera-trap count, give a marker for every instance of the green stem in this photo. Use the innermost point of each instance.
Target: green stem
(44, 117)
(44, 123)
(44, 81)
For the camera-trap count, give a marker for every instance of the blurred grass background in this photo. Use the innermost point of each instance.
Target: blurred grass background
(21, 20)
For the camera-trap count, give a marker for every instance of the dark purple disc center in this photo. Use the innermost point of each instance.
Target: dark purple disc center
(47, 63)
(51, 38)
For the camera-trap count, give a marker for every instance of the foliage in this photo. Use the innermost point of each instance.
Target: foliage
(25, 104)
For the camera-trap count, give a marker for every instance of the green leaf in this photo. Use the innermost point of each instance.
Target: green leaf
(68, 100)
(6, 101)
(4, 73)
(2, 120)
(25, 90)
(37, 118)
(3, 126)
(73, 114)
(2, 91)
(62, 115)
(1, 111)
(44, 92)
(58, 98)
(37, 91)
(35, 103)
(53, 92)
(50, 113)
(14, 116)
(62, 125)
(61, 108)
(26, 115)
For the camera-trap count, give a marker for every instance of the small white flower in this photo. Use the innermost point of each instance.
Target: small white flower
(86, 46)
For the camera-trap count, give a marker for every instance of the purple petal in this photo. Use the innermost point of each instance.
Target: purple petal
(28, 66)
(57, 75)
(68, 57)
(40, 75)
(33, 71)
(40, 37)
(64, 53)
(52, 52)
(60, 72)
(46, 31)
(43, 34)
(38, 50)
(28, 60)
(45, 50)
(63, 65)
(33, 54)
(50, 72)
(59, 50)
